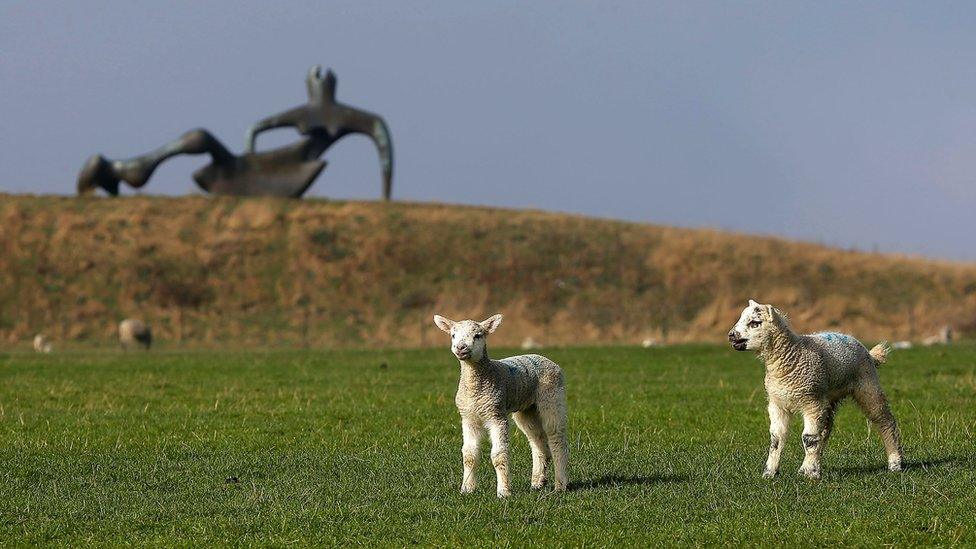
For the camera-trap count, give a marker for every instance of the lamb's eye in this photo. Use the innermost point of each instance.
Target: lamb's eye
(477, 336)
(754, 323)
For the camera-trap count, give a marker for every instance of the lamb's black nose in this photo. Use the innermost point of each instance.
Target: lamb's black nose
(732, 335)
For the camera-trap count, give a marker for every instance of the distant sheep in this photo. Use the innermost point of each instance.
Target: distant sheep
(134, 333)
(42, 345)
(811, 375)
(531, 386)
(649, 342)
(529, 344)
(944, 337)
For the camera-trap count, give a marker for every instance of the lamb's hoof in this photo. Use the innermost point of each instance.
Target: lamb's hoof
(539, 486)
(812, 473)
(768, 474)
(895, 467)
(504, 493)
(467, 489)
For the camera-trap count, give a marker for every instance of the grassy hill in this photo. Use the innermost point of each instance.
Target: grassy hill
(263, 272)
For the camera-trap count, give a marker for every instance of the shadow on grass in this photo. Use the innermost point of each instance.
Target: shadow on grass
(616, 481)
(863, 470)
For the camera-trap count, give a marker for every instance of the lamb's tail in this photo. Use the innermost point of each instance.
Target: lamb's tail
(880, 352)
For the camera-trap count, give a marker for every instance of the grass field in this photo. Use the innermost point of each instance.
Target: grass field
(334, 448)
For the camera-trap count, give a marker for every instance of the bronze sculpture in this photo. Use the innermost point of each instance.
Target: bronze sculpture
(286, 171)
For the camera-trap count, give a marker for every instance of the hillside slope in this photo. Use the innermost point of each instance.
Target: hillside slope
(218, 271)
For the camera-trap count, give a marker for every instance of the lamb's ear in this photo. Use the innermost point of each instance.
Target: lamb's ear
(780, 316)
(752, 303)
(491, 324)
(444, 324)
(771, 313)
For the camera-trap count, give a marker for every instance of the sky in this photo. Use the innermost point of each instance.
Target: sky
(852, 125)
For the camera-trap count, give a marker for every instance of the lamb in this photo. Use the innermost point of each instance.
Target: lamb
(528, 386)
(42, 345)
(811, 375)
(133, 332)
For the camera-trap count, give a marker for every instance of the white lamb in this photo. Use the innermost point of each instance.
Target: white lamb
(531, 386)
(811, 375)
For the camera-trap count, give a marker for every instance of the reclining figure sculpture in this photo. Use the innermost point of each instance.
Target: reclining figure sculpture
(286, 171)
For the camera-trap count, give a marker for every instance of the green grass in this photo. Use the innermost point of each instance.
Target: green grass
(330, 448)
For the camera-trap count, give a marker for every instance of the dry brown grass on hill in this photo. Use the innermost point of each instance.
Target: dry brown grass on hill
(217, 271)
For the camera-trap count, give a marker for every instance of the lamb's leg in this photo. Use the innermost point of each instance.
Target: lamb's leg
(779, 427)
(498, 431)
(471, 431)
(531, 424)
(816, 424)
(873, 402)
(553, 415)
(828, 427)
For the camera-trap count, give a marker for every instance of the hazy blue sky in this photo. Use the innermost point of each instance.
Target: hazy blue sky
(852, 125)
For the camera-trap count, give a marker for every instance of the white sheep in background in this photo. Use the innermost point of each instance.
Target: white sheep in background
(530, 386)
(133, 332)
(42, 345)
(529, 344)
(649, 342)
(811, 375)
(944, 337)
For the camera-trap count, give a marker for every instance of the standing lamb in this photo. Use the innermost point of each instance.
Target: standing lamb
(811, 375)
(530, 386)
(133, 332)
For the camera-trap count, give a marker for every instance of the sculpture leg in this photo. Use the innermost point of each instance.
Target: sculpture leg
(101, 172)
(98, 172)
(381, 136)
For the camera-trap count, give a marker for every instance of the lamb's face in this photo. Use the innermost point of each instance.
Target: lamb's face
(755, 326)
(468, 337)
(468, 340)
